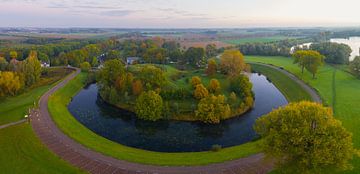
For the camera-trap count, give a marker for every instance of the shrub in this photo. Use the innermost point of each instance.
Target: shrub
(149, 106)
(200, 92)
(196, 80)
(216, 148)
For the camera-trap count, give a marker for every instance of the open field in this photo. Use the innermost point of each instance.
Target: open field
(15, 108)
(256, 40)
(22, 152)
(340, 91)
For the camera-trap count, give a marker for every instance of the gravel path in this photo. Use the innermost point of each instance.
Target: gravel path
(94, 162)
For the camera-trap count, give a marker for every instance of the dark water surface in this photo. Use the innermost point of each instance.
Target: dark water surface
(172, 136)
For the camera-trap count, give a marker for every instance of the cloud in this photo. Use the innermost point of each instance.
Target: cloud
(117, 12)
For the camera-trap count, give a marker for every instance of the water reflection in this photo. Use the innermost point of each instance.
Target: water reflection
(172, 136)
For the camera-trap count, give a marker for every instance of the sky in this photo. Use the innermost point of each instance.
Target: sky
(179, 13)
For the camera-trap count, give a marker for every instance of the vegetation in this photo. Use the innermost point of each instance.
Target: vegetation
(306, 136)
(70, 126)
(334, 53)
(213, 109)
(22, 152)
(355, 66)
(85, 67)
(256, 40)
(309, 60)
(149, 106)
(200, 92)
(344, 99)
(232, 62)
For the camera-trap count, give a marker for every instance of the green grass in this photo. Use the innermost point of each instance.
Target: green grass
(256, 40)
(22, 152)
(15, 108)
(347, 94)
(289, 88)
(70, 126)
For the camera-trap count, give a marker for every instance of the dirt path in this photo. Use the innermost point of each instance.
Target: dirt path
(94, 162)
(314, 95)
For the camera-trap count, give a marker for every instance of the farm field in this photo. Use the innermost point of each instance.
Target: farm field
(256, 40)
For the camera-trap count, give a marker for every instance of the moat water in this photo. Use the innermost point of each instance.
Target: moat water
(123, 127)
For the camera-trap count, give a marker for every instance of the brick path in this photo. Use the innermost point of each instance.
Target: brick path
(94, 162)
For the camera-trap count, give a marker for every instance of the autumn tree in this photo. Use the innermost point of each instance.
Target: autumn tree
(307, 137)
(200, 92)
(85, 67)
(211, 67)
(10, 83)
(241, 85)
(210, 50)
(124, 82)
(149, 106)
(309, 60)
(212, 109)
(355, 66)
(107, 77)
(13, 55)
(196, 80)
(232, 62)
(3, 64)
(214, 86)
(137, 87)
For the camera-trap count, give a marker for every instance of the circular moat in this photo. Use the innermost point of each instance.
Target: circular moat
(173, 136)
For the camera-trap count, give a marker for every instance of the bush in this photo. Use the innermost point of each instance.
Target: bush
(216, 148)
(200, 92)
(85, 67)
(196, 80)
(149, 106)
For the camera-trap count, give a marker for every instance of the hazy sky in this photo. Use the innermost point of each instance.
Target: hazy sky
(179, 13)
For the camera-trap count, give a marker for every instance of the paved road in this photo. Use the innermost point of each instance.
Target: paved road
(314, 95)
(93, 162)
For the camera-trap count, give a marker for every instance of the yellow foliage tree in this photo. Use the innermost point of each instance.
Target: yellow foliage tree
(211, 67)
(212, 109)
(200, 92)
(196, 80)
(10, 83)
(137, 87)
(232, 62)
(214, 86)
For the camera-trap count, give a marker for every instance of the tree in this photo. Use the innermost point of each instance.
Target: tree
(32, 69)
(85, 67)
(152, 76)
(333, 52)
(10, 83)
(113, 54)
(3, 64)
(241, 85)
(137, 87)
(13, 55)
(94, 62)
(211, 50)
(200, 92)
(194, 55)
(214, 86)
(232, 62)
(355, 66)
(232, 97)
(196, 80)
(309, 60)
(212, 109)
(149, 106)
(109, 73)
(211, 68)
(306, 136)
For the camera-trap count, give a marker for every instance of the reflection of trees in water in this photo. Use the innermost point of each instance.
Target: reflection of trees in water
(108, 111)
(150, 128)
(212, 131)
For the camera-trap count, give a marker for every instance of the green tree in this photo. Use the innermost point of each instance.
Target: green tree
(212, 109)
(200, 92)
(334, 52)
(3, 64)
(32, 69)
(309, 60)
(149, 106)
(232, 62)
(109, 73)
(194, 56)
(85, 67)
(305, 137)
(355, 66)
(241, 85)
(152, 76)
(211, 50)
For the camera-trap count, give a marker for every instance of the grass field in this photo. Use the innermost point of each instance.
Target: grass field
(15, 108)
(256, 40)
(22, 152)
(340, 91)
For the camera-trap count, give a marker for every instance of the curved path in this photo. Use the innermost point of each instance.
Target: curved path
(314, 95)
(94, 162)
